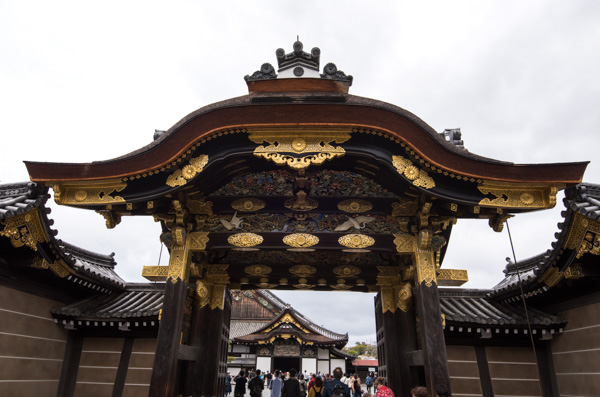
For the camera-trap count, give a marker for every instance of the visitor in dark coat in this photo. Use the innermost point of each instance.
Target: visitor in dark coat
(240, 384)
(291, 387)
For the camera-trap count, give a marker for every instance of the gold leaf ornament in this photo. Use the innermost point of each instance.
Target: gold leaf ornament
(245, 239)
(181, 176)
(300, 240)
(355, 206)
(356, 241)
(418, 177)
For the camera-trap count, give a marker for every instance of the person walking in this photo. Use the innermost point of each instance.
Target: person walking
(356, 391)
(369, 382)
(276, 384)
(227, 384)
(303, 385)
(382, 389)
(317, 388)
(240, 384)
(335, 387)
(291, 387)
(256, 385)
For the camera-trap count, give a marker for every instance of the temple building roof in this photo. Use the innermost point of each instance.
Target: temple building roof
(24, 219)
(569, 257)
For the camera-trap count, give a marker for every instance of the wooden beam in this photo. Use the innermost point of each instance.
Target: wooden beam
(163, 382)
(123, 367)
(414, 358)
(70, 367)
(484, 372)
(547, 373)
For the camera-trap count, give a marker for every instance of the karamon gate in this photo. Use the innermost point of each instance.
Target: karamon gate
(300, 186)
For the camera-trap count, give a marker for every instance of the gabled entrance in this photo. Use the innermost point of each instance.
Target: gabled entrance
(300, 185)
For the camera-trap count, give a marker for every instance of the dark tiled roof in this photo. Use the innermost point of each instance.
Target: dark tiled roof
(97, 266)
(138, 300)
(239, 328)
(475, 307)
(525, 269)
(585, 199)
(17, 198)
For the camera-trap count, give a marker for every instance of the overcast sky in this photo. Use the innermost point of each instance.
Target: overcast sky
(83, 81)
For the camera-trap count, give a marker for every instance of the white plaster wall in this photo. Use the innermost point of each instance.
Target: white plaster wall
(263, 363)
(338, 362)
(323, 366)
(309, 365)
(240, 349)
(323, 354)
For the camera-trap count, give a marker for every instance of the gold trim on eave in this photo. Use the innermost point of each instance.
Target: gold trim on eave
(181, 176)
(89, 192)
(298, 148)
(518, 196)
(411, 172)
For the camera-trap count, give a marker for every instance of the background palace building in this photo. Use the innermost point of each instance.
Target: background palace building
(297, 186)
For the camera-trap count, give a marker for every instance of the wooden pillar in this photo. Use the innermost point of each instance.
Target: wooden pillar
(164, 380)
(429, 314)
(70, 365)
(209, 334)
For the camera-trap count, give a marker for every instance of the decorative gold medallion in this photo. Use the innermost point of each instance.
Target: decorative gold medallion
(245, 239)
(181, 176)
(303, 270)
(299, 148)
(347, 271)
(356, 241)
(257, 270)
(248, 205)
(452, 277)
(418, 177)
(355, 206)
(300, 240)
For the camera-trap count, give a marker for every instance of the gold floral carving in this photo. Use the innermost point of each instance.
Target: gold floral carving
(198, 241)
(425, 267)
(202, 293)
(111, 218)
(303, 270)
(511, 196)
(404, 243)
(181, 176)
(24, 230)
(355, 206)
(584, 236)
(155, 273)
(248, 205)
(39, 263)
(300, 240)
(303, 284)
(452, 277)
(574, 272)
(301, 203)
(199, 207)
(245, 239)
(257, 270)
(299, 148)
(356, 241)
(552, 276)
(60, 268)
(346, 271)
(340, 287)
(418, 177)
(84, 193)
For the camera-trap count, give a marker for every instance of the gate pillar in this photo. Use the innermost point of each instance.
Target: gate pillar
(164, 378)
(429, 314)
(396, 332)
(209, 334)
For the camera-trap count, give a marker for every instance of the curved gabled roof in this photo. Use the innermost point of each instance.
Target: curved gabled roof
(88, 267)
(247, 112)
(543, 271)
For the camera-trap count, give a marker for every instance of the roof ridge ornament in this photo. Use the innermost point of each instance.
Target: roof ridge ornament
(298, 63)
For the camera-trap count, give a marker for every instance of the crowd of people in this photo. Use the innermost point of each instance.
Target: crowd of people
(292, 384)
